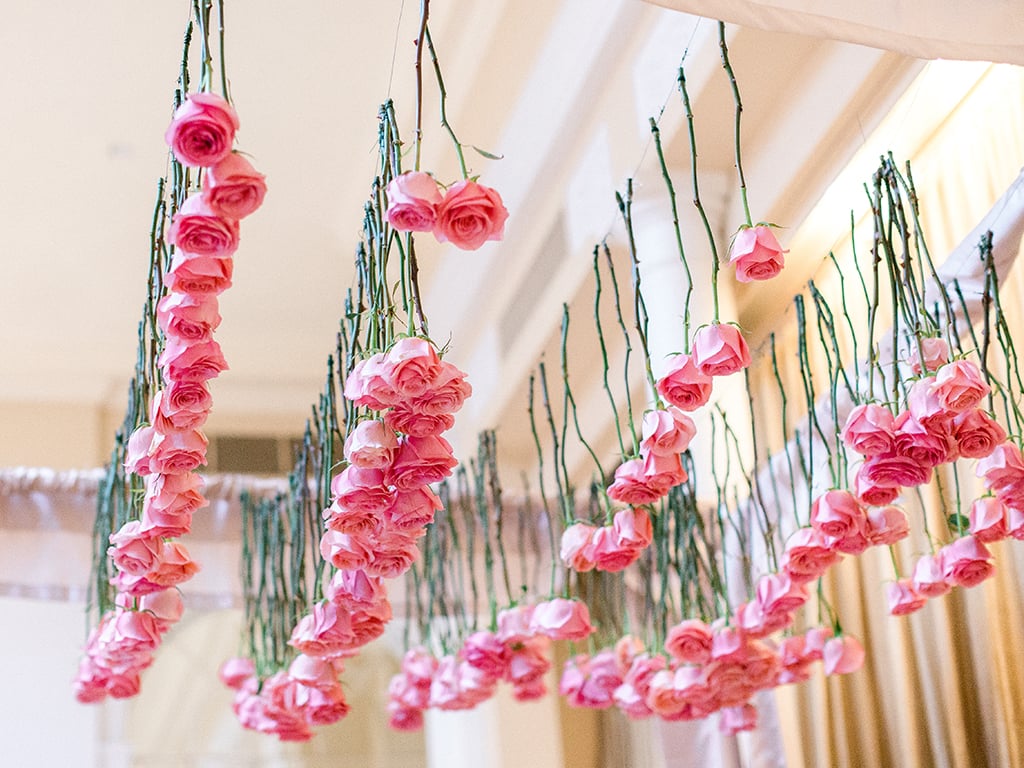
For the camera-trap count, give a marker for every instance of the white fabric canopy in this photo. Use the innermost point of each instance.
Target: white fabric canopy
(983, 30)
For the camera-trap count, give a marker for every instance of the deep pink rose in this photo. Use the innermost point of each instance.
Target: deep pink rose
(577, 548)
(371, 445)
(360, 489)
(487, 653)
(690, 641)
(177, 452)
(192, 317)
(402, 718)
(869, 430)
(407, 420)
(469, 215)
(903, 598)
(960, 385)
(198, 230)
(936, 354)
(916, 442)
(345, 551)
(411, 366)
(873, 495)
(807, 555)
(977, 434)
(742, 717)
(683, 385)
(756, 253)
(895, 471)
(174, 565)
(412, 199)
(421, 461)
(887, 525)
(368, 387)
(184, 361)
(195, 275)
(233, 189)
(928, 579)
(446, 394)
(719, 349)
(633, 486)
(133, 551)
(609, 555)
(413, 509)
(561, 619)
(842, 655)
(666, 433)
(837, 514)
(202, 130)
(988, 519)
(966, 562)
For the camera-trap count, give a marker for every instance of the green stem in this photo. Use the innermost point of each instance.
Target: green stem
(739, 111)
(444, 98)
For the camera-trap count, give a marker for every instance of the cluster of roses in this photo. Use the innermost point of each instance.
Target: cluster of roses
(705, 669)
(518, 652)
(380, 506)
(467, 215)
(942, 422)
(171, 447)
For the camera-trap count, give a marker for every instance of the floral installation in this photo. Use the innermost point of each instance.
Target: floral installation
(155, 471)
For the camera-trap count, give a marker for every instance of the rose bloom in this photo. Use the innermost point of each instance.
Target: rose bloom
(354, 589)
(407, 420)
(807, 555)
(326, 630)
(977, 434)
(184, 404)
(577, 548)
(412, 199)
(928, 579)
(529, 661)
(631, 696)
(742, 717)
(184, 361)
(683, 385)
(469, 215)
(924, 446)
(663, 472)
(719, 349)
(869, 430)
(1003, 467)
(192, 317)
(355, 521)
(903, 598)
(138, 451)
(198, 274)
(778, 593)
(514, 624)
(233, 189)
(487, 653)
(367, 386)
(202, 130)
(633, 486)
(895, 471)
(133, 551)
(842, 655)
(410, 366)
(174, 566)
(1015, 523)
(666, 433)
(394, 554)
(363, 490)
(413, 509)
(887, 525)
(689, 641)
(960, 385)
(196, 229)
(924, 405)
(419, 666)
(609, 555)
(345, 551)
(165, 606)
(371, 445)
(837, 514)
(966, 562)
(936, 354)
(756, 254)
(561, 619)
(632, 528)
(421, 461)
(236, 671)
(872, 495)
(600, 679)
(402, 718)
(178, 452)
(446, 393)
(988, 519)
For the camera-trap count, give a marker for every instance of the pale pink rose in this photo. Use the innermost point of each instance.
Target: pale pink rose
(778, 593)
(514, 624)
(413, 509)
(174, 566)
(362, 489)
(872, 495)
(662, 697)
(741, 717)
(233, 189)
(966, 562)
(756, 254)
(186, 404)
(127, 634)
(632, 528)
(421, 461)
(345, 551)
(355, 521)
(752, 620)
(178, 452)
(988, 519)
(814, 642)
(393, 555)
(402, 718)
(561, 619)
(609, 554)
(600, 679)
(411, 366)
(633, 486)
(405, 419)
(132, 551)
(202, 130)
(960, 385)
(837, 514)
(663, 471)
(196, 229)
(977, 434)
(529, 661)
(869, 430)
(165, 606)
(322, 705)
(367, 386)
(719, 349)
(903, 598)
(196, 275)
(446, 394)
(690, 641)
(927, 448)
(181, 361)
(192, 317)
(133, 585)
(469, 215)
(928, 579)
(807, 555)
(419, 666)
(475, 684)
(138, 452)
(412, 199)
(401, 689)
(894, 471)
(887, 525)
(354, 589)
(794, 665)
(666, 433)
(326, 630)
(727, 642)
(487, 653)
(936, 354)
(842, 655)
(577, 547)
(923, 404)
(170, 502)
(683, 385)
(1003, 467)
(631, 696)
(1015, 523)
(162, 424)
(236, 671)
(371, 445)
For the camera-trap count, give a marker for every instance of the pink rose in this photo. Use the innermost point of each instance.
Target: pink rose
(837, 514)
(633, 486)
(202, 130)
(719, 349)
(355, 521)
(164, 419)
(183, 361)
(195, 275)
(371, 445)
(600, 679)
(411, 366)
(923, 404)
(469, 215)
(895, 471)
(487, 653)
(198, 230)
(419, 666)
(988, 519)
(778, 593)
(927, 448)
(326, 630)
(192, 317)
(1015, 523)
(577, 548)
(363, 490)
(169, 503)
(233, 189)
(421, 461)
(323, 705)
(561, 619)
(609, 555)
(1003, 468)
(742, 717)
(236, 671)
(165, 606)
(514, 624)
(446, 393)
(174, 565)
(663, 472)
(903, 598)
(869, 430)
(936, 354)
(368, 387)
(178, 452)
(683, 385)
(727, 643)
(529, 661)
(872, 495)
(128, 634)
(689, 641)
(807, 555)
(631, 696)
(132, 551)
(966, 562)
(345, 551)
(407, 420)
(138, 451)
(662, 696)
(394, 554)
(412, 199)
(960, 385)
(401, 689)
(413, 509)
(666, 433)
(632, 528)
(756, 253)
(887, 525)
(402, 718)
(185, 404)
(928, 579)
(842, 655)
(355, 589)
(976, 433)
